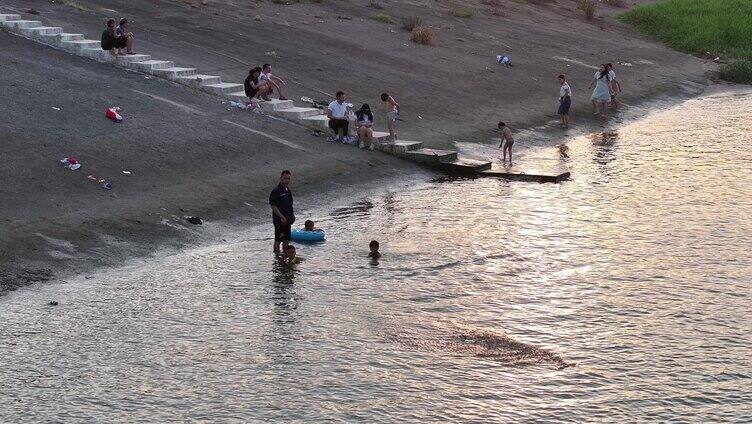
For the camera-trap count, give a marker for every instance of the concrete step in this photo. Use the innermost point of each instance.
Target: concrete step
(431, 156)
(197, 80)
(400, 147)
(22, 24)
(150, 65)
(42, 30)
(298, 113)
(78, 46)
(380, 136)
(174, 72)
(97, 54)
(129, 58)
(70, 37)
(318, 122)
(222, 87)
(554, 175)
(275, 105)
(238, 96)
(465, 166)
(9, 17)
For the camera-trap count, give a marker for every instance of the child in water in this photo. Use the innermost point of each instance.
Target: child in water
(374, 246)
(290, 256)
(308, 226)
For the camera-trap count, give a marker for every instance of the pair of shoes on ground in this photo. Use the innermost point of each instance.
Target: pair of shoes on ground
(363, 146)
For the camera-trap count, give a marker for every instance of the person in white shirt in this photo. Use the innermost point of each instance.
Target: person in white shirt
(565, 100)
(272, 81)
(337, 114)
(614, 85)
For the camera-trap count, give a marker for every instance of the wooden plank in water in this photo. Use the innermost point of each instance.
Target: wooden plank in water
(518, 174)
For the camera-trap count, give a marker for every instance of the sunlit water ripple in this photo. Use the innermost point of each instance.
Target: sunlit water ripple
(621, 295)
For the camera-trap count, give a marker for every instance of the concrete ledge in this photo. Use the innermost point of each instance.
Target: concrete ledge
(221, 87)
(9, 17)
(150, 65)
(430, 156)
(399, 147)
(174, 73)
(465, 166)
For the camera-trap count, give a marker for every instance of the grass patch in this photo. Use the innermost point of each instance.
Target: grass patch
(423, 35)
(461, 12)
(74, 4)
(739, 72)
(409, 23)
(588, 7)
(722, 27)
(382, 17)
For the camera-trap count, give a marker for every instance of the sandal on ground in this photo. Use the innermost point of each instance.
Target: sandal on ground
(283, 98)
(266, 98)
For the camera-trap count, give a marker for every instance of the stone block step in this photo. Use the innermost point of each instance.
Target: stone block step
(78, 46)
(197, 80)
(128, 58)
(380, 136)
(222, 87)
(554, 175)
(400, 147)
(174, 72)
(465, 166)
(9, 17)
(22, 24)
(431, 156)
(150, 65)
(70, 37)
(42, 30)
(238, 96)
(298, 113)
(275, 105)
(319, 122)
(97, 54)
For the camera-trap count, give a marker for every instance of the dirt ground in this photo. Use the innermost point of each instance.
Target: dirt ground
(186, 159)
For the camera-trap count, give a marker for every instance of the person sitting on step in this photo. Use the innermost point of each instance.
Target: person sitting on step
(109, 41)
(252, 86)
(274, 82)
(124, 38)
(337, 114)
(364, 125)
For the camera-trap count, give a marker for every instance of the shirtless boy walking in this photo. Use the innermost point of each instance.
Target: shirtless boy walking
(392, 112)
(506, 142)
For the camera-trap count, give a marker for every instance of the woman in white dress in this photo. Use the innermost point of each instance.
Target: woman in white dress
(602, 93)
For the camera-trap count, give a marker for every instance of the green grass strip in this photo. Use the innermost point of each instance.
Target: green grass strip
(720, 27)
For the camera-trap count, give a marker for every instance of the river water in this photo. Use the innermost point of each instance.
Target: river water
(621, 295)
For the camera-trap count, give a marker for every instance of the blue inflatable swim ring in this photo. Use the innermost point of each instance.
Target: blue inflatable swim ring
(303, 235)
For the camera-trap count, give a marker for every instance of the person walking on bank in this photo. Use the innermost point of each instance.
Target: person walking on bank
(565, 100)
(602, 93)
(283, 215)
(614, 85)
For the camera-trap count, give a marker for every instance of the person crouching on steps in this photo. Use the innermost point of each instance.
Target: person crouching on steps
(252, 86)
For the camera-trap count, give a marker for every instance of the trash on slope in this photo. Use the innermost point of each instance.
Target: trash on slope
(113, 114)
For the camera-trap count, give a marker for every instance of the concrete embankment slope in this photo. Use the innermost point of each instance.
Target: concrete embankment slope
(453, 91)
(187, 155)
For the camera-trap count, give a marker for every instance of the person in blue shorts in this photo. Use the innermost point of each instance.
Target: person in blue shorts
(565, 100)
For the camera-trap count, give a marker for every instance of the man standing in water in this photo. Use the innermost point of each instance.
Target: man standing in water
(283, 216)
